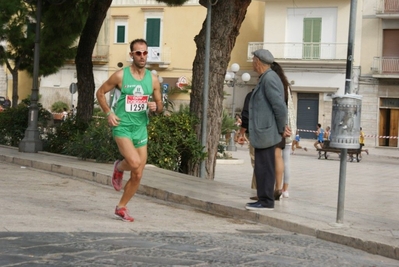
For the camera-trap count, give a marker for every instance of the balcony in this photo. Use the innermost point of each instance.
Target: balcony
(386, 67)
(304, 53)
(159, 56)
(146, 3)
(387, 9)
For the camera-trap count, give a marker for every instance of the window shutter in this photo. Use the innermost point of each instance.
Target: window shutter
(120, 37)
(311, 38)
(153, 32)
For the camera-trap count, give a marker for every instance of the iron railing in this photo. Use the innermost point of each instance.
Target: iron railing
(386, 65)
(147, 3)
(387, 7)
(304, 51)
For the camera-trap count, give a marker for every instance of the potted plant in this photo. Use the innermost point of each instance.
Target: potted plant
(57, 108)
(227, 125)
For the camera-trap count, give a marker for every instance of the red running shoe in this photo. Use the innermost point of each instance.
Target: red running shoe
(122, 213)
(117, 177)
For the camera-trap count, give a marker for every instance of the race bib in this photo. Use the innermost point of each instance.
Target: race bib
(136, 103)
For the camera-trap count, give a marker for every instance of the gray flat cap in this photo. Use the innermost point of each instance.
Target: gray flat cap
(264, 55)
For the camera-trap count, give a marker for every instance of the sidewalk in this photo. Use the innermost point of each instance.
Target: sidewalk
(371, 218)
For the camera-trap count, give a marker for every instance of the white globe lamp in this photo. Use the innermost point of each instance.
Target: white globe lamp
(245, 77)
(235, 67)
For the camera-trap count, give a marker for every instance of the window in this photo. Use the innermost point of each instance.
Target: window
(120, 32)
(153, 32)
(153, 35)
(311, 38)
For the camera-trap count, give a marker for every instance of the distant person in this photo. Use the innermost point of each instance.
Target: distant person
(327, 134)
(244, 134)
(295, 143)
(238, 121)
(319, 136)
(361, 142)
(64, 114)
(7, 103)
(73, 111)
(281, 162)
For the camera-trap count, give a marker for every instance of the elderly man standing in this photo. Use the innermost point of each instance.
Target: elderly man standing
(267, 125)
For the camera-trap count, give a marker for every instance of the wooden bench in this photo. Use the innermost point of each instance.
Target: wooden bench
(353, 153)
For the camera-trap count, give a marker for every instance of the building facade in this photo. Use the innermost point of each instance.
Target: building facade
(307, 37)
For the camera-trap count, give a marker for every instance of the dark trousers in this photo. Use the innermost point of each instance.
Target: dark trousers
(265, 175)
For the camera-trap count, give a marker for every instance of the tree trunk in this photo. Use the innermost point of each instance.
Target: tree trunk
(227, 17)
(15, 79)
(83, 60)
(15, 97)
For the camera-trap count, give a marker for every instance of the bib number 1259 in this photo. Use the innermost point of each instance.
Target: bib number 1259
(136, 103)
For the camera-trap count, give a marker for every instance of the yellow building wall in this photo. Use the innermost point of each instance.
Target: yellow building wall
(251, 31)
(24, 85)
(179, 27)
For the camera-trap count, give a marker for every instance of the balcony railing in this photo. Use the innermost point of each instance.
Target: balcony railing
(303, 51)
(387, 7)
(386, 65)
(147, 3)
(162, 57)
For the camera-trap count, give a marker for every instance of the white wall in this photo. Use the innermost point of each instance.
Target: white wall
(56, 87)
(295, 16)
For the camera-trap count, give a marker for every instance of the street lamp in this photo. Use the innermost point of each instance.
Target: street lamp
(231, 81)
(31, 143)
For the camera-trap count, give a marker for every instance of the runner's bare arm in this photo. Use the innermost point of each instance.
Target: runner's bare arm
(114, 81)
(157, 105)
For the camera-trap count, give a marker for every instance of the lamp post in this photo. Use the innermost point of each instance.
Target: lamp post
(31, 143)
(231, 81)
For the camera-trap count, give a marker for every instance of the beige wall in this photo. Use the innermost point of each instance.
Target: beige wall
(180, 25)
(251, 31)
(24, 85)
(371, 45)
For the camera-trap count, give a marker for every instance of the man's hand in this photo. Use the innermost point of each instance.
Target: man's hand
(152, 106)
(113, 120)
(287, 132)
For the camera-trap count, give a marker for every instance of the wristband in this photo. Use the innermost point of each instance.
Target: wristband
(109, 112)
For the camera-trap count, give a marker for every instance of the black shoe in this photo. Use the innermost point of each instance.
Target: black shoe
(277, 194)
(257, 206)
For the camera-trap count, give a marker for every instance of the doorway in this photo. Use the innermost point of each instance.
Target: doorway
(389, 122)
(307, 114)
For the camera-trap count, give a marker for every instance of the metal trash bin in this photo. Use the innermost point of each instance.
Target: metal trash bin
(345, 121)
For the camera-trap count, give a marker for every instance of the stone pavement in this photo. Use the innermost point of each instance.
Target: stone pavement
(371, 219)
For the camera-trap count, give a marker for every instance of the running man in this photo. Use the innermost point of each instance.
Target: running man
(319, 135)
(129, 122)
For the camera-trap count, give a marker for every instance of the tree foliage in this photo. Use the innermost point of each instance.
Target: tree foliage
(60, 26)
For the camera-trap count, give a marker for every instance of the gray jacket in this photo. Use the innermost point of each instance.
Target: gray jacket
(267, 111)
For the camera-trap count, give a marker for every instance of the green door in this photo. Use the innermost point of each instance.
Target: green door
(311, 38)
